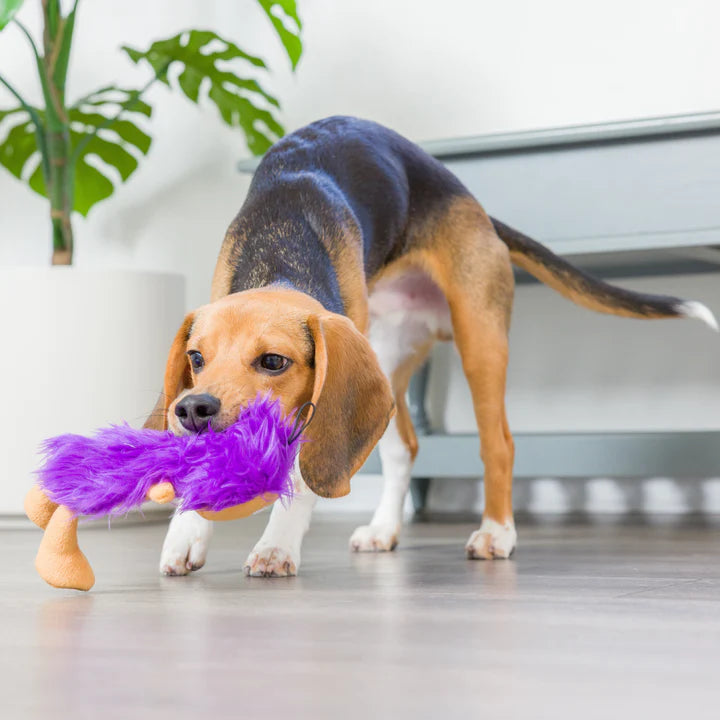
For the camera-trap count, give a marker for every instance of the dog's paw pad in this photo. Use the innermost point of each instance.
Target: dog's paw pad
(493, 540)
(374, 538)
(271, 562)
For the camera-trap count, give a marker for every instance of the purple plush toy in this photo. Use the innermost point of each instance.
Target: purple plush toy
(222, 475)
(112, 472)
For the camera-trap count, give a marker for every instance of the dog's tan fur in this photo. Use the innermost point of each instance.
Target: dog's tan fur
(459, 251)
(341, 208)
(347, 202)
(332, 365)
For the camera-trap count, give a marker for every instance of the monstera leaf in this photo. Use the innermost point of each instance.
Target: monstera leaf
(105, 141)
(288, 29)
(19, 147)
(8, 8)
(203, 57)
(97, 143)
(117, 144)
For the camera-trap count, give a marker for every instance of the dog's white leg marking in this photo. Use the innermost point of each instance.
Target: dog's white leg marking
(277, 553)
(492, 540)
(186, 543)
(405, 315)
(383, 531)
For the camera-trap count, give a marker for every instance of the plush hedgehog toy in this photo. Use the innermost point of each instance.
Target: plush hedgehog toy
(222, 475)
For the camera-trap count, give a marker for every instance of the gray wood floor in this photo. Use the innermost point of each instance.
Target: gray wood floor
(588, 620)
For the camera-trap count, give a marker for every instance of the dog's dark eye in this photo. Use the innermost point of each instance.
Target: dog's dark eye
(196, 360)
(273, 362)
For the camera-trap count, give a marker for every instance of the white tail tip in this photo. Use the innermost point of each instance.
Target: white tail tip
(700, 312)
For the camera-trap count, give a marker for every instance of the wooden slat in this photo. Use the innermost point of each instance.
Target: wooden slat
(611, 455)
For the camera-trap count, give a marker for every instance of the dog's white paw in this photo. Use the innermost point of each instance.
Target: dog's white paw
(182, 560)
(186, 544)
(374, 538)
(266, 561)
(492, 540)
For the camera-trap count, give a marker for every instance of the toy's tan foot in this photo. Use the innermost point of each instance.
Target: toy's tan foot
(39, 507)
(59, 561)
(162, 493)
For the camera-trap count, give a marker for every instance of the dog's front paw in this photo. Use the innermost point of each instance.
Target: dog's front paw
(493, 540)
(272, 562)
(374, 538)
(186, 544)
(182, 559)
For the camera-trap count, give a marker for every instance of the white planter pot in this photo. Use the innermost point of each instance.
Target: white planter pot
(80, 349)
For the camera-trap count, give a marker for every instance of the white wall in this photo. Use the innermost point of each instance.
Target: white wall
(461, 67)
(429, 69)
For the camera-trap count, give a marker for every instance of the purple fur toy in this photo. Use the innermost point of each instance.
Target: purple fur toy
(111, 472)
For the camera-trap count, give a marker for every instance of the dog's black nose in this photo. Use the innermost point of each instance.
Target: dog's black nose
(195, 412)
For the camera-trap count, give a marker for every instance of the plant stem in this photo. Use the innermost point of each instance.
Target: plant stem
(61, 177)
(29, 37)
(37, 122)
(27, 108)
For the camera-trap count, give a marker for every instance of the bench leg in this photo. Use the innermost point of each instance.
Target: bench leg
(417, 395)
(419, 489)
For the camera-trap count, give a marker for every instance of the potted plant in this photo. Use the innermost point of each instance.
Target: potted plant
(90, 344)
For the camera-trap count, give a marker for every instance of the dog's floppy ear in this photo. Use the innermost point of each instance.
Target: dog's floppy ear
(177, 376)
(353, 402)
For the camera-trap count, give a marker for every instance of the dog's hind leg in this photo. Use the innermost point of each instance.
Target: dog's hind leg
(402, 341)
(472, 266)
(483, 347)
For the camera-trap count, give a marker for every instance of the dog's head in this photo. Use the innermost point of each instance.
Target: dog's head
(284, 343)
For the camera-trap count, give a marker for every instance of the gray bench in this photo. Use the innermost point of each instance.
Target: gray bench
(569, 188)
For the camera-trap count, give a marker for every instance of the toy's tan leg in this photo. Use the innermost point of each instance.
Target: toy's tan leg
(39, 507)
(59, 561)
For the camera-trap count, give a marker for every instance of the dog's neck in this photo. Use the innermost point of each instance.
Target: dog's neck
(287, 254)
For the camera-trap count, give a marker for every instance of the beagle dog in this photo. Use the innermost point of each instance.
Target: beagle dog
(352, 254)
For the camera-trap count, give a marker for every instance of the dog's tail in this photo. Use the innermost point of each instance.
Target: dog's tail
(590, 292)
